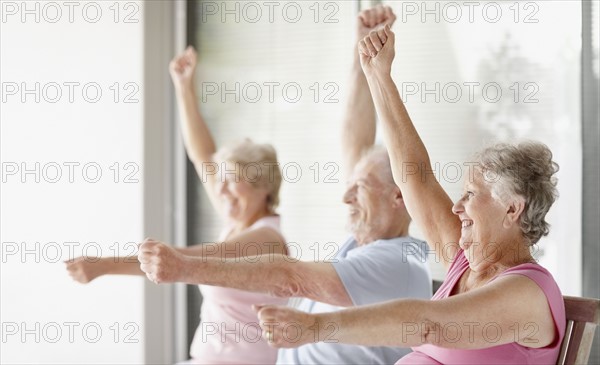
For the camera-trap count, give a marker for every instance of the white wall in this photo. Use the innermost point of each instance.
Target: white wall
(38, 298)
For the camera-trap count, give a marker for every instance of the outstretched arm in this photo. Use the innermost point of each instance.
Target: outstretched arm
(197, 138)
(425, 200)
(85, 269)
(358, 129)
(485, 317)
(269, 272)
(256, 242)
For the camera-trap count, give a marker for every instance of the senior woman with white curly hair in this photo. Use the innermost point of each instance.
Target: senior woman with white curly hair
(496, 305)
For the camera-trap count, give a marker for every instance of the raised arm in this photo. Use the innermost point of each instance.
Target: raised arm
(197, 138)
(358, 129)
(478, 319)
(270, 272)
(425, 200)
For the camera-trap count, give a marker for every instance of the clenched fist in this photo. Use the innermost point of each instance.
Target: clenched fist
(370, 19)
(84, 269)
(377, 52)
(183, 67)
(287, 327)
(161, 262)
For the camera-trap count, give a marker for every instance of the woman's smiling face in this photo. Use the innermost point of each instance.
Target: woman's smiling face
(482, 216)
(239, 197)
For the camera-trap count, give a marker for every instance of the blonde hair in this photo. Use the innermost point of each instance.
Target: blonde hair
(261, 159)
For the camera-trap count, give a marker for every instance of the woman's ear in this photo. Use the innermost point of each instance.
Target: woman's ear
(513, 212)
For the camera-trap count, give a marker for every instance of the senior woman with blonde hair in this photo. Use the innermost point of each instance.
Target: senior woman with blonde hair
(496, 305)
(242, 181)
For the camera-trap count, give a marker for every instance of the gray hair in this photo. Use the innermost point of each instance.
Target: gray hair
(263, 158)
(378, 155)
(525, 170)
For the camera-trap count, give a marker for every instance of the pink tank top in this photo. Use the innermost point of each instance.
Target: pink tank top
(229, 332)
(511, 353)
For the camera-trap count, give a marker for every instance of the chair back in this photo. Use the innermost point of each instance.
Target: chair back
(583, 315)
(435, 285)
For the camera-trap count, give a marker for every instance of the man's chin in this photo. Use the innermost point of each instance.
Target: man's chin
(354, 228)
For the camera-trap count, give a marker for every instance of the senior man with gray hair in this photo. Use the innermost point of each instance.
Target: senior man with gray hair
(379, 262)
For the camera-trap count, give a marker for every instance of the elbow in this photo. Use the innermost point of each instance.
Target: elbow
(447, 334)
(320, 288)
(204, 166)
(425, 325)
(290, 283)
(431, 333)
(197, 161)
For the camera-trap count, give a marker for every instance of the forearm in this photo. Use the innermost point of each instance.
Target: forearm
(358, 129)
(405, 147)
(265, 274)
(120, 266)
(195, 250)
(395, 323)
(230, 250)
(274, 274)
(197, 139)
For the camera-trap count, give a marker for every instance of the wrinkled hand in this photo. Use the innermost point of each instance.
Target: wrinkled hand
(286, 327)
(161, 262)
(370, 19)
(84, 269)
(183, 67)
(377, 52)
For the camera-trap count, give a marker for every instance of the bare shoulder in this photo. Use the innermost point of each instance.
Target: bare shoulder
(522, 304)
(514, 305)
